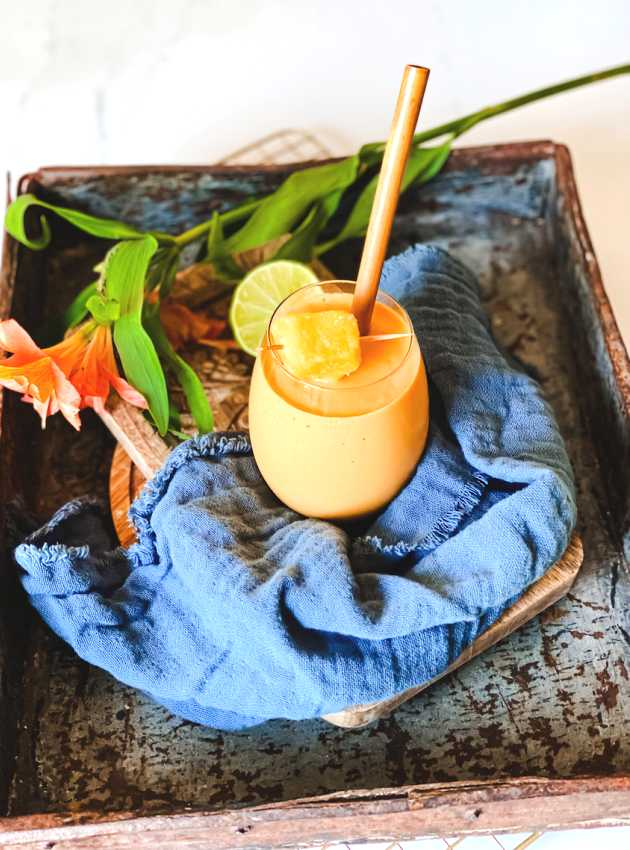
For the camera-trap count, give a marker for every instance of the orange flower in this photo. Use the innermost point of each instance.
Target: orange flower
(87, 358)
(77, 372)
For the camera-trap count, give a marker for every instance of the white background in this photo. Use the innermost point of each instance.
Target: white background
(191, 80)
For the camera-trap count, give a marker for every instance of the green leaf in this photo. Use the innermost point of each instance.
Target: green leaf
(125, 274)
(105, 228)
(423, 164)
(280, 212)
(103, 310)
(142, 367)
(433, 163)
(371, 154)
(302, 243)
(162, 269)
(187, 378)
(225, 270)
(168, 270)
(224, 266)
(174, 420)
(78, 309)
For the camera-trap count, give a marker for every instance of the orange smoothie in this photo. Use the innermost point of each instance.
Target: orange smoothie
(341, 449)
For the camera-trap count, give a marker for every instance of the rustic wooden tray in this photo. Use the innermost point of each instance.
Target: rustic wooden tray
(503, 743)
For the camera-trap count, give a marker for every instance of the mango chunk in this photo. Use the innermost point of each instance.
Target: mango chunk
(319, 346)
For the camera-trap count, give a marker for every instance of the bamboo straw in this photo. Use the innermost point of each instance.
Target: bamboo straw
(387, 191)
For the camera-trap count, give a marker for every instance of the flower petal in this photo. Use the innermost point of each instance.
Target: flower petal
(15, 339)
(35, 378)
(67, 398)
(45, 386)
(70, 352)
(42, 408)
(127, 392)
(110, 370)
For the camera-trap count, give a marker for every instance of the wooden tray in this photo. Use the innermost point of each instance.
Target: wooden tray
(502, 743)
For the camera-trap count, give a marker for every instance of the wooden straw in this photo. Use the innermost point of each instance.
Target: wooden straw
(395, 158)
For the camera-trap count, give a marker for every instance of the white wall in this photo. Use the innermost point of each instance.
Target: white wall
(188, 80)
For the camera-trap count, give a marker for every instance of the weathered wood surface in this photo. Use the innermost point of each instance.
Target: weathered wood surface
(8, 716)
(135, 435)
(551, 700)
(386, 815)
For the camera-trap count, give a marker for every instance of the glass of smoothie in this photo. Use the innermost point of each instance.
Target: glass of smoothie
(339, 448)
(338, 406)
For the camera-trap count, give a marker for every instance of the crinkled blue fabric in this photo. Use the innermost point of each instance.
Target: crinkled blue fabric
(232, 609)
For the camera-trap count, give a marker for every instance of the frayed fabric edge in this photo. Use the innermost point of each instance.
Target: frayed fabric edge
(204, 446)
(446, 525)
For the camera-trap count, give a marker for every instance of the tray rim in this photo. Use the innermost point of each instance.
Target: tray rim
(525, 150)
(386, 814)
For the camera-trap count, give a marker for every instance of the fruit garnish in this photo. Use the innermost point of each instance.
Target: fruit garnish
(259, 293)
(319, 346)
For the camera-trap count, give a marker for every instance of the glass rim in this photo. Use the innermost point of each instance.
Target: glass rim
(322, 385)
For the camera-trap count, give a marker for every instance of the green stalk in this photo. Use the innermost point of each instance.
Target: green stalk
(455, 128)
(461, 125)
(230, 217)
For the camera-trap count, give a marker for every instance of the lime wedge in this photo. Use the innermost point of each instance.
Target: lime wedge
(258, 295)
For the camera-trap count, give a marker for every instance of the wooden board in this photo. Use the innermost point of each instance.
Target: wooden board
(501, 742)
(125, 484)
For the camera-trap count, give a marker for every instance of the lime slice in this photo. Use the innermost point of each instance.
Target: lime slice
(258, 295)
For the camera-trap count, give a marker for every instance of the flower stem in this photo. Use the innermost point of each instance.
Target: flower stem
(455, 128)
(461, 125)
(230, 217)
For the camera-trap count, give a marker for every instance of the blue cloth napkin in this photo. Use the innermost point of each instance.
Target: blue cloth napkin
(232, 609)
